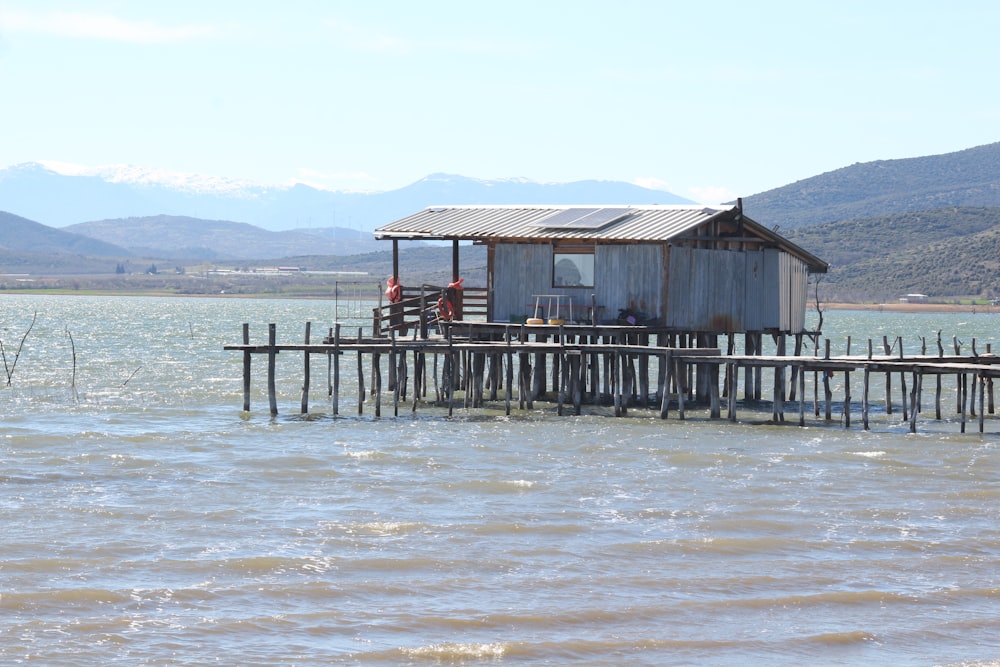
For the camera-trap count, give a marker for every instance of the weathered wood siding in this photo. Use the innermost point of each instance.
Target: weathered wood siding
(756, 308)
(629, 276)
(707, 290)
(721, 290)
(795, 293)
(787, 279)
(625, 276)
(520, 270)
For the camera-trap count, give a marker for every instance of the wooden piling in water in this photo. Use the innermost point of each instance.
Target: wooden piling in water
(272, 351)
(246, 368)
(336, 370)
(304, 407)
(481, 367)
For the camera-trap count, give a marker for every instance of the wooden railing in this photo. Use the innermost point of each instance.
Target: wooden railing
(419, 309)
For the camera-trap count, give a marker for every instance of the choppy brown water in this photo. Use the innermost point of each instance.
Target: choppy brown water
(147, 521)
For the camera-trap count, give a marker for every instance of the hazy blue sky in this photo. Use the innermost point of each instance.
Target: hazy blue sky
(708, 100)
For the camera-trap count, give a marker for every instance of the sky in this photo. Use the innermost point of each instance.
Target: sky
(707, 100)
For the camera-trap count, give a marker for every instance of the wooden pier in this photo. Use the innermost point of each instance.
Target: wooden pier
(481, 364)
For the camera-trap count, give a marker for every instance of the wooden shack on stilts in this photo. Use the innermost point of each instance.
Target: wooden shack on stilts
(686, 274)
(580, 304)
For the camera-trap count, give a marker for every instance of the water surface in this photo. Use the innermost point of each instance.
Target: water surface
(147, 520)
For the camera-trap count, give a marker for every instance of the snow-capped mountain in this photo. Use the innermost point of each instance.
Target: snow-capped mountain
(60, 194)
(145, 176)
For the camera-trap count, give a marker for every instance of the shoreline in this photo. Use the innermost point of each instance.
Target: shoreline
(835, 305)
(909, 307)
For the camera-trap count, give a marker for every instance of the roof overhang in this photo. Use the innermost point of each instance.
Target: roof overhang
(612, 224)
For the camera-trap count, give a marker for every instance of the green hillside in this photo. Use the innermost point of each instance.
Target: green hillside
(965, 178)
(944, 253)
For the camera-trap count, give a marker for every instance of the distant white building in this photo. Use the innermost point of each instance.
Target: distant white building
(913, 298)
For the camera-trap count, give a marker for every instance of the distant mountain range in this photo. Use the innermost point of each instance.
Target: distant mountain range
(59, 195)
(927, 224)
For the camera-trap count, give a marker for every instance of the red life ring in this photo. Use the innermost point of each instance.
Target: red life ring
(445, 309)
(394, 291)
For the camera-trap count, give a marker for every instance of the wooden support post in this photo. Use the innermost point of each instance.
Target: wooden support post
(466, 379)
(393, 373)
(963, 391)
(509, 378)
(779, 383)
(361, 377)
(888, 378)
(616, 382)
(847, 399)
(982, 391)
(758, 370)
(679, 372)
(523, 375)
(902, 395)
(246, 368)
(715, 404)
(816, 393)
(864, 396)
(493, 374)
(272, 396)
(377, 382)
(661, 371)
(417, 387)
(734, 381)
(577, 361)
(451, 363)
(628, 381)
(666, 362)
(827, 395)
(777, 408)
(595, 374)
(305, 373)
(401, 380)
(336, 368)
(972, 397)
(644, 371)
(559, 379)
(802, 395)
(795, 368)
(960, 390)
(538, 377)
(478, 378)
(937, 397)
(437, 385)
(329, 365)
(913, 399)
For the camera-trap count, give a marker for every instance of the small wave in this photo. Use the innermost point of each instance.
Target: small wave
(385, 528)
(365, 455)
(841, 638)
(70, 597)
(457, 651)
(496, 486)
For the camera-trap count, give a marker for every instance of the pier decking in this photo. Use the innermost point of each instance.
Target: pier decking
(473, 362)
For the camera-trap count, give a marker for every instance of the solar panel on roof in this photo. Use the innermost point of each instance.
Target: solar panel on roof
(583, 218)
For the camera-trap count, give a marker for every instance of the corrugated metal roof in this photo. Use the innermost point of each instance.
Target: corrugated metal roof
(644, 223)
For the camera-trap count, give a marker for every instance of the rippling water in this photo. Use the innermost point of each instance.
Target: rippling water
(147, 520)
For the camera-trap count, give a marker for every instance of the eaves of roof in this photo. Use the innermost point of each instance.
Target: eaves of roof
(642, 224)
